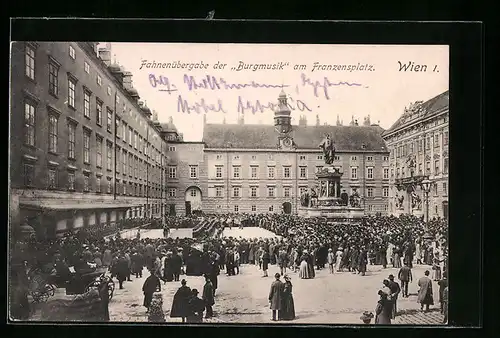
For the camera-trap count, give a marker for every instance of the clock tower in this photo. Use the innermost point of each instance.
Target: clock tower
(283, 123)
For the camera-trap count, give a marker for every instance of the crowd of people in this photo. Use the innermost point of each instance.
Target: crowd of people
(303, 245)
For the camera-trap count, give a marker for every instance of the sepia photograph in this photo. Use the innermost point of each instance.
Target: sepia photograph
(215, 183)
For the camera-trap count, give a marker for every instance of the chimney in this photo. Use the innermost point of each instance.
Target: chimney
(105, 54)
(356, 123)
(127, 80)
(367, 121)
(338, 120)
(352, 121)
(170, 120)
(204, 119)
(317, 120)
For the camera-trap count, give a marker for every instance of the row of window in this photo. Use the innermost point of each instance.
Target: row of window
(134, 138)
(287, 172)
(301, 157)
(272, 191)
(134, 189)
(253, 208)
(419, 145)
(401, 172)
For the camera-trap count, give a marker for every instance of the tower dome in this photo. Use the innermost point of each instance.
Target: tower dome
(282, 114)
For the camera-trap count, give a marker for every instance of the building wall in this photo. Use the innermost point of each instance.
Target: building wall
(113, 96)
(433, 133)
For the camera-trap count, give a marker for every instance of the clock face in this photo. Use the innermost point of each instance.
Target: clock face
(287, 142)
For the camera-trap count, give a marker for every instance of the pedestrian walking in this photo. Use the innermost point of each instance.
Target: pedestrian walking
(265, 262)
(180, 303)
(383, 309)
(395, 290)
(196, 308)
(208, 297)
(150, 286)
(275, 295)
(330, 258)
(443, 284)
(404, 275)
(287, 304)
(425, 296)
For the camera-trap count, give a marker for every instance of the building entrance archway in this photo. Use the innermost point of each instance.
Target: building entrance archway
(193, 200)
(287, 208)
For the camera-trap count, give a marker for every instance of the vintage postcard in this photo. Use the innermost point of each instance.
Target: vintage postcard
(229, 183)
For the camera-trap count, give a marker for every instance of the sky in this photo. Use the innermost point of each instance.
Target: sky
(324, 80)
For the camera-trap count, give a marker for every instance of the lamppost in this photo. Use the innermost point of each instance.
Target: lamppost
(426, 186)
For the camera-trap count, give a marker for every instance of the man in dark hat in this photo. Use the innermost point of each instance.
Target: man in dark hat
(208, 296)
(151, 285)
(395, 290)
(180, 303)
(275, 295)
(196, 308)
(405, 277)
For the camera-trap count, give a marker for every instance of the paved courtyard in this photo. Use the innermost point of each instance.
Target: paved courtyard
(340, 298)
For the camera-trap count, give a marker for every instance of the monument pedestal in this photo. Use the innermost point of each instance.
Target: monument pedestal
(328, 203)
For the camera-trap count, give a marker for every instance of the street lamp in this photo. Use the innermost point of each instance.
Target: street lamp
(426, 186)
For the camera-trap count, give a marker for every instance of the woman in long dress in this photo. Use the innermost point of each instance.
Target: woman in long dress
(310, 265)
(338, 260)
(303, 268)
(397, 258)
(383, 310)
(287, 305)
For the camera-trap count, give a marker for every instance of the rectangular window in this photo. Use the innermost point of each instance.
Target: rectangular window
(72, 53)
(370, 207)
(436, 140)
(236, 191)
(435, 189)
(236, 208)
(98, 162)
(386, 207)
(397, 172)
(117, 126)
(52, 179)
(108, 190)
(172, 192)
(218, 192)
(428, 143)
(385, 191)
(98, 106)
(369, 158)
(428, 168)
(354, 158)
(124, 188)
(386, 173)
(86, 146)
(110, 120)
(286, 192)
(445, 138)
(254, 172)
(218, 172)
(86, 182)
(286, 172)
(30, 62)
(254, 157)
(445, 165)
(320, 157)
(392, 173)
(386, 158)
(354, 173)
(135, 139)
(369, 173)
(369, 191)
(124, 131)
(29, 175)
(86, 103)
(124, 163)
(86, 67)
(420, 169)
(109, 156)
(436, 167)
(236, 172)
(270, 157)
(271, 208)
(71, 93)
(71, 140)
(99, 80)
(302, 157)
(172, 172)
(193, 171)
(270, 172)
(420, 145)
(303, 172)
(71, 181)
(98, 184)
(53, 78)
(109, 91)
(253, 191)
(302, 190)
(445, 189)
(270, 191)
(29, 124)
(236, 157)
(172, 148)
(53, 120)
(254, 208)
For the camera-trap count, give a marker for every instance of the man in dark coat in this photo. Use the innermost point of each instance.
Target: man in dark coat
(176, 265)
(275, 295)
(362, 261)
(122, 270)
(196, 308)
(208, 297)
(151, 285)
(180, 303)
(230, 262)
(425, 294)
(405, 277)
(395, 290)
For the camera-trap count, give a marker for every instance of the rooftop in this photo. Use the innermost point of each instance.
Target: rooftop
(258, 136)
(420, 111)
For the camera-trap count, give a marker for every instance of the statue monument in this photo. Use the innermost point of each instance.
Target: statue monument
(327, 200)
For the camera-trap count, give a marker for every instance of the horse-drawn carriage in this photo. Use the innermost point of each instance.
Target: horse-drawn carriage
(82, 282)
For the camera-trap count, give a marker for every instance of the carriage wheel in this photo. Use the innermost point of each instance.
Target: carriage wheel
(92, 285)
(50, 289)
(111, 288)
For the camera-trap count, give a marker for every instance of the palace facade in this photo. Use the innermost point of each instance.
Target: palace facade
(83, 149)
(418, 143)
(242, 168)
